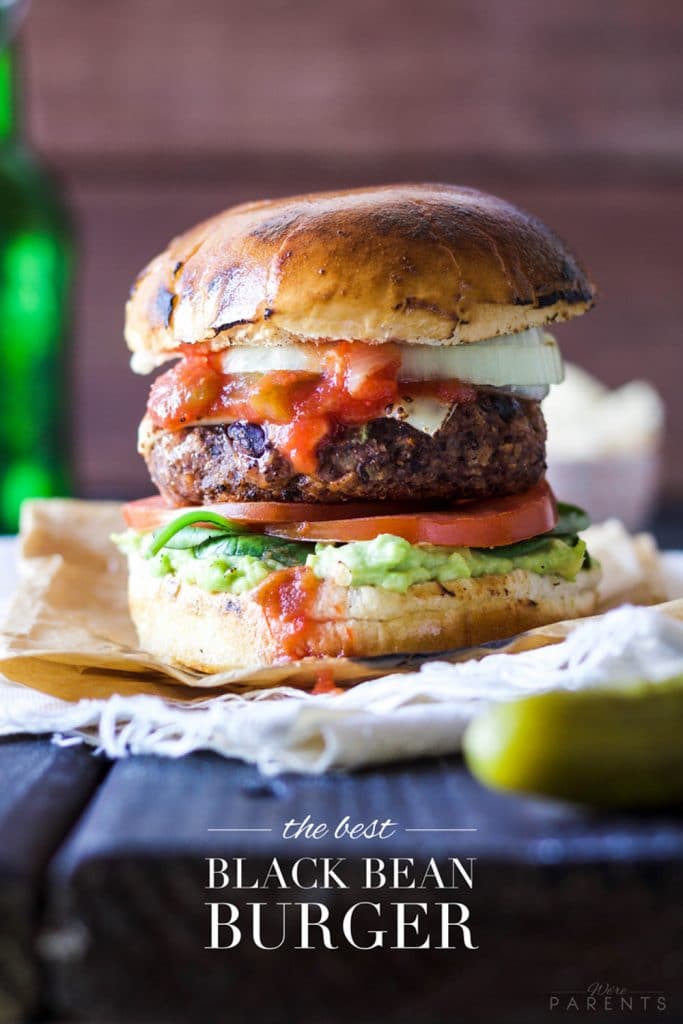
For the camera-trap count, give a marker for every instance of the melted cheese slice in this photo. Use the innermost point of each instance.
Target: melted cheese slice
(425, 414)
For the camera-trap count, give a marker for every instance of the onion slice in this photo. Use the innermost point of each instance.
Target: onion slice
(526, 359)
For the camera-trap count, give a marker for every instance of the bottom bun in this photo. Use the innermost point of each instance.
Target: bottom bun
(213, 632)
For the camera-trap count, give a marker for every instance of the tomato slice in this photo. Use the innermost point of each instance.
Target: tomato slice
(149, 513)
(481, 524)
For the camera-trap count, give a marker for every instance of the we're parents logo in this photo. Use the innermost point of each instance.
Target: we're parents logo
(608, 998)
(366, 902)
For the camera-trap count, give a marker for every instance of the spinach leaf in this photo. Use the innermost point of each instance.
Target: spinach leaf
(522, 547)
(257, 545)
(225, 538)
(161, 537)
(193, 536)
(571, 520)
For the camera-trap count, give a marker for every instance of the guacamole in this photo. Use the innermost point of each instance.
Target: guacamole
(394, 564)
(235, 564)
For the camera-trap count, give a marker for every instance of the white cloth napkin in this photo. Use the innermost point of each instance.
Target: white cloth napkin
(394, 718)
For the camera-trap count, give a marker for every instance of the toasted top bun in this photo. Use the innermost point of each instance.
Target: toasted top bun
(435, 264)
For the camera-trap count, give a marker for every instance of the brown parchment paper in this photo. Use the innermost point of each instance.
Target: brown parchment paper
(68, 632)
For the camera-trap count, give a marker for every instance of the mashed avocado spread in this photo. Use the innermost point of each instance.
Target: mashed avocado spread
(394, 564)
(235, 563)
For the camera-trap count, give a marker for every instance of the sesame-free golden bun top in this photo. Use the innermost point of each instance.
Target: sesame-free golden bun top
(435, 264)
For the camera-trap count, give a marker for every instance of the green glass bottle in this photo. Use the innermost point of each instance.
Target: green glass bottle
(36, 261)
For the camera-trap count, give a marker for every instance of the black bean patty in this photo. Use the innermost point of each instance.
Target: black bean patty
(492, 446)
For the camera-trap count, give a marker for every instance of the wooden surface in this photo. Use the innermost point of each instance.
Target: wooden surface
(561, 897)
(161, 112)
(42, 792)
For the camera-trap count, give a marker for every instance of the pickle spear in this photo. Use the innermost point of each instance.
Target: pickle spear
(610, 747)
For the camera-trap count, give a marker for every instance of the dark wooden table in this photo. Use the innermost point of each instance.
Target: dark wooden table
(103, 894)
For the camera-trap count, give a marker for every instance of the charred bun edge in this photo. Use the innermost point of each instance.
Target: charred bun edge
(413, 263)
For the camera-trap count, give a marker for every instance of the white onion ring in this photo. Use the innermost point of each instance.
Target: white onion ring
(527, 359)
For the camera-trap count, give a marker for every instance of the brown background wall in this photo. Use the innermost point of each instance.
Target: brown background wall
(159, 112)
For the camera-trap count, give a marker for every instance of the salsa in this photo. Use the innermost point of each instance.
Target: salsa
(356, 383)
(287, 598)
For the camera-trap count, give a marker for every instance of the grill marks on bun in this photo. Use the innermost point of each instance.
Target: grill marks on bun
(411, 263)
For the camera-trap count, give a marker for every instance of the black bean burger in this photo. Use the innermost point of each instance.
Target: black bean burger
(349, 446)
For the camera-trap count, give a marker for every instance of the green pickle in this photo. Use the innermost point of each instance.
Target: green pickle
(610, 747)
